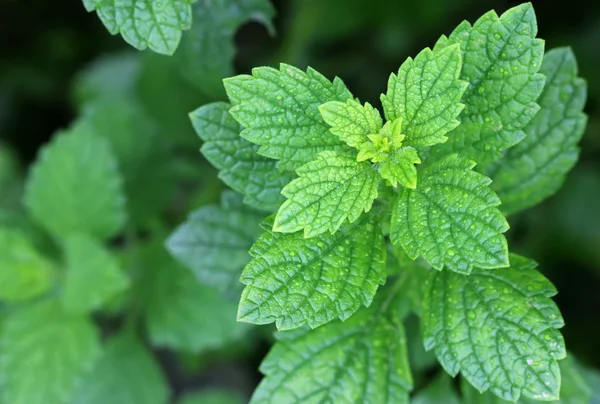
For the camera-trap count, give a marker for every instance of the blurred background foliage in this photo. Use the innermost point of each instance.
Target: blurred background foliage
(59, 66)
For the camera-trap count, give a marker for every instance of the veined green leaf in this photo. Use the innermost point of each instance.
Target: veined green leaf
(498, 328)
(293, 280)
(426, 94)
(239, 164)
(350, 121)
(400, 167)
(145, 23)
(451, 219)
(501, 59)
(329, 190)
(360, 360)
(44, 353)
(279, 111)
(535, 168)
(75, 187)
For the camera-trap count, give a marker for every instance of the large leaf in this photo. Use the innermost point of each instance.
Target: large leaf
(75, 186)
(293, 280)
(498, 328)
(536, 168)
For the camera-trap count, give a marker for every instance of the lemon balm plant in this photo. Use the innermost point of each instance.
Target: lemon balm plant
(359, 218)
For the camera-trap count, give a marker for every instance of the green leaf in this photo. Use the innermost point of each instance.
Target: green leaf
(211, 397)
(293, 280)
(145, 23)
(24, 273)
(329, 190)
(400, 167)
(207, 50)
(279, 109)
(44, 353)
(426, 94)
(535, 168)
(75, 187)
(214, 243)
(239, 164)
(362, 359)
(413, 275)
(181, 313)
(592, 379)
(498, 328)
(438, 391)
(501, 58)
(125, 373)
(350, 121)
(451, 219)
(93, 275)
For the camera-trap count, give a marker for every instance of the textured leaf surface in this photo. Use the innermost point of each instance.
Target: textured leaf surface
(451, 219)
(125, 373)
(145, 23)
(400, 167)
(536, 167)
(498, 328)
(214, 243)
(180, 313)
(239, 164)
(75, 187)
(294, 281)
(206, 52)
(329, 190)
(501, 59)
(426, 94)
(362, 359)
(93, 275)
(211, 397)
(24, 273)
(44, 353)
(279, 111)
(350, 121)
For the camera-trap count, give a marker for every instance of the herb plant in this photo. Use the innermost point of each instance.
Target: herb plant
(370, 218)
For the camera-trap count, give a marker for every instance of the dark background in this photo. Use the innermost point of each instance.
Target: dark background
(43, 44)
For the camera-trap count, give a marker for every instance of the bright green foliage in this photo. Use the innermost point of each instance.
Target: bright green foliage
(181, 313)
(145, 23)
(400, 167)
(360, 360)
(351, 121)
(206, 52)
(294, 281)
(211, 397)
(498, 328)
(436, 392)
(412, 277)
(535, 168)
(279, 111)
(329, 190)
(501, 59)
(75, 187)
(239, 164)
(44, 352)
(451, 219)
(125, 373)
(24, 273)
(426, 94)
(93, 275)
(214, 242)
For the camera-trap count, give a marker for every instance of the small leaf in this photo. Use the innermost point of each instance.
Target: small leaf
(145, 23)
(451, 219)
(350, 121)
(44, 353)
(214, 243)
(125, 373)
(360, 360)
(279, 109)
(239, 164)
(400, 167)
(24, 273)
(498, 328)
(93, 275)
(426, 94)
(536, 168)
(329, 190)
(501, 58)
(75, 187)
(293, 280)
(179, 312)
